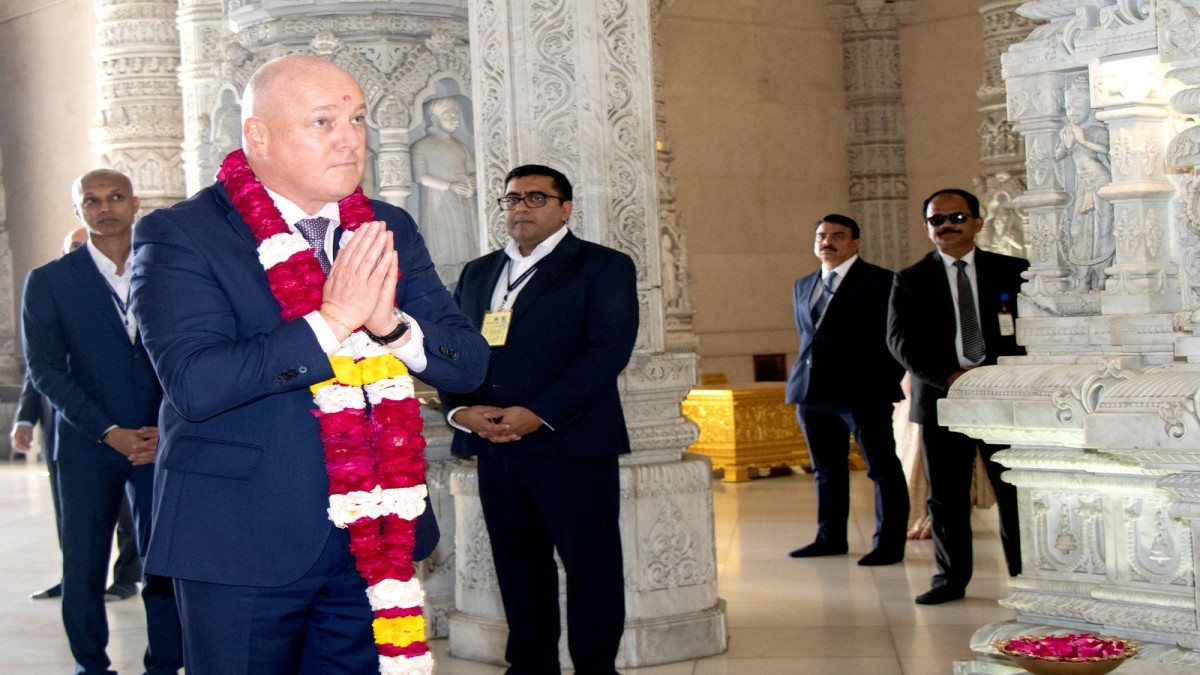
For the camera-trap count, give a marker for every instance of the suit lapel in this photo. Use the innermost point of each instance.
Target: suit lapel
(804, 291)
(94, 288)
(233, 217)
(548, 269)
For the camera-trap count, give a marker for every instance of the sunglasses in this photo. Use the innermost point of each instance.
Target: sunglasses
(957, 218)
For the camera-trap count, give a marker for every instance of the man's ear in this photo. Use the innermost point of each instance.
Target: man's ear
(255, 135)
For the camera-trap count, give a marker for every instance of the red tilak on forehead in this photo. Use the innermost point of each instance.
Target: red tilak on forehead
(346, 97)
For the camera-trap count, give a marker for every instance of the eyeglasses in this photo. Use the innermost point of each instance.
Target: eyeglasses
(534, 200)
(956, 218)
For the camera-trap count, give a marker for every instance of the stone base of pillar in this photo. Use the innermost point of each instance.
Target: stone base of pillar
(644, 643)
(671, 604)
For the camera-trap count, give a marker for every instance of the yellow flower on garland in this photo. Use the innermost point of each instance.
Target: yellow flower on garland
(400, 631)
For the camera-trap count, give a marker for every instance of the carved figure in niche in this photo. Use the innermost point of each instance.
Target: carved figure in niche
(1085, 141)
(1005, 227)
(444, 167)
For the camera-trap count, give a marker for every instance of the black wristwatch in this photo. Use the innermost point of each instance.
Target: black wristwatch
(400, 330)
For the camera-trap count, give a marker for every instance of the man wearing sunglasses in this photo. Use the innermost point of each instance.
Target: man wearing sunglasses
(561, 316)
(952, 311)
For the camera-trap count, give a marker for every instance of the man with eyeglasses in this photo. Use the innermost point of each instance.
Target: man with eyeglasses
(952, 311)
(561, 316)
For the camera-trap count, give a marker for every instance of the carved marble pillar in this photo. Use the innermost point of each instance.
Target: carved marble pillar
(673, 250)
(1001, 151)
(571, 85)
(1102, 414)
(10, 369)
(875, 124)
(202, 34)
(140, 119)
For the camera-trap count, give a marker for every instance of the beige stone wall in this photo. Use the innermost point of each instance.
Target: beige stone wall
(942, 62)
(755, 106)
(47, 104)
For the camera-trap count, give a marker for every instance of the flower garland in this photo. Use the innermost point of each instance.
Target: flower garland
(373, 455)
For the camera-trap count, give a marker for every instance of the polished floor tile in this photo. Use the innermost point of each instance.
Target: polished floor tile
(812, 616)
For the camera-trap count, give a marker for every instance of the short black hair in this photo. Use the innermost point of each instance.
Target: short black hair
(844, 221)
(560, 181)
(972, 201)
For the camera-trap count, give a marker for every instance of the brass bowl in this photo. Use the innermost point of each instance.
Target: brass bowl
(1051, 665)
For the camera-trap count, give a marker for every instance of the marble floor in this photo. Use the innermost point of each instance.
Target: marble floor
(815, 616)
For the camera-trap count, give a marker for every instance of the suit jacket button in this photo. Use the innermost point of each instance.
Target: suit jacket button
(303, 369)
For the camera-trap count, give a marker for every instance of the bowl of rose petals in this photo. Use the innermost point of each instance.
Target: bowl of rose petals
(1071, 654)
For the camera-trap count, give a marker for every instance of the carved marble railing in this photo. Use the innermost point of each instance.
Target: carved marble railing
(1102, 413)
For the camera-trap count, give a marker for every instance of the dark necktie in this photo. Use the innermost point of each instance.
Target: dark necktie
(968, 323)
(826, 295)
(313, 230)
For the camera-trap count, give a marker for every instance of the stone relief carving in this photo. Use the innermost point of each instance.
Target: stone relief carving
(1084, 142)
(444, 167)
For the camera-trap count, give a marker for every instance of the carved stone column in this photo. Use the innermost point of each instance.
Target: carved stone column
(202, 36)
(570, 84)
(10, 369)
(673, 250)
(140, 118)
(1102, 414)
(1001, 150)
(875, 124)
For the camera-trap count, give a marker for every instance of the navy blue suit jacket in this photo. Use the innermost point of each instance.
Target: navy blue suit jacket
(35, 409)
(845, 361)
(922, 324)
(572, 331)
(81, 359)
(241, 492)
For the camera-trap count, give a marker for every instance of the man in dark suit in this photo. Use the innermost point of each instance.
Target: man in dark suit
(561, 315)
(266, 582)
(33, 409)
(953, 311)
(845, 381)
(86, 356)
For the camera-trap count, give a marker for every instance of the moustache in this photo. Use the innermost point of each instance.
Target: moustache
(948, 230)
(828, 248)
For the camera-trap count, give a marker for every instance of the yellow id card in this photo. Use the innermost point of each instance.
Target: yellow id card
(495, 326)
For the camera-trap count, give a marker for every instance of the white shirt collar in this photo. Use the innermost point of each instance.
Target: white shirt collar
(107, 267)
(293, 214)
(840, 270)
(948, 260)
(540, 251)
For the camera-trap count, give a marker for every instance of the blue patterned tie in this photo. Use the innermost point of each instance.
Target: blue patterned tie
(313, 230)
(972, 337)
(826, 295)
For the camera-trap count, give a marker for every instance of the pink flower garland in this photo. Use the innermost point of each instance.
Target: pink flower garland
(373, 455)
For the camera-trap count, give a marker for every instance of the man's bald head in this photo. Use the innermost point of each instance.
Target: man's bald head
(106, 175)
(304, 130)
(74, 239)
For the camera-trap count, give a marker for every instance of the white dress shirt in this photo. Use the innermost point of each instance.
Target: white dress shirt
(118, 283)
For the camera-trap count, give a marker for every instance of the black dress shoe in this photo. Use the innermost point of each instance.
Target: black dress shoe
(54, 591)
(120, 591)
(819, 548)
(940, 594)
(878, 557)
